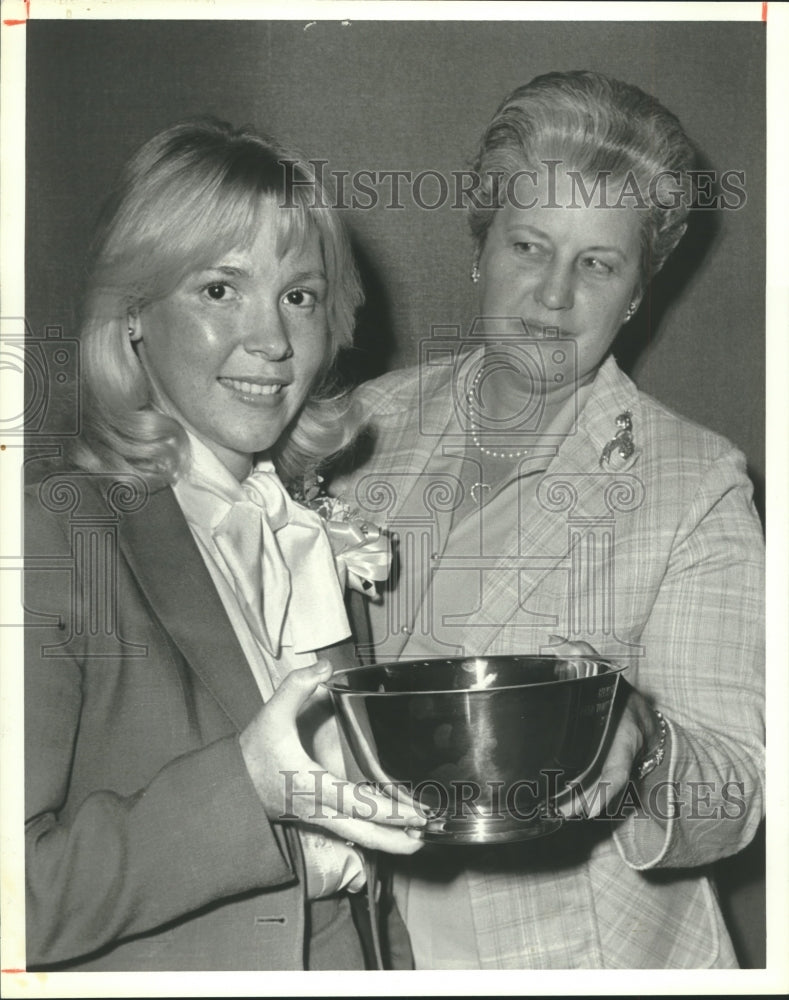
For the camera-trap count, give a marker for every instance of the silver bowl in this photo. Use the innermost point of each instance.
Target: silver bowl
(486, 746)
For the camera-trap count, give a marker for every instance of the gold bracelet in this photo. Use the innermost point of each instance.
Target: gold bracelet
(653, 758)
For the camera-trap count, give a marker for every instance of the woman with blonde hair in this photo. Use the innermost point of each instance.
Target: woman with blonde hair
(184, 790)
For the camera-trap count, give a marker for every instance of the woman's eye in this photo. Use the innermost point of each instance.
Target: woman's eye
(526, 247)
(301, 297)
(217, 290)
(596, 265)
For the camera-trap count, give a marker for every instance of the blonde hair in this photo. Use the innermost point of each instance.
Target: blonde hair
(193, 191)
(595, 125)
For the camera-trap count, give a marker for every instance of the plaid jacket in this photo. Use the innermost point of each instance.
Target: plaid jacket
(657, 561)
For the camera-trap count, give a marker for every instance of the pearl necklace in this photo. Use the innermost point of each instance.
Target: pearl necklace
(490, 452)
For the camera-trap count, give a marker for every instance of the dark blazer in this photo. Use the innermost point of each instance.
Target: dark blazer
(147, 847)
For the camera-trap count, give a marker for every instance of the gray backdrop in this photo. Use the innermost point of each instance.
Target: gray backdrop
(407, 95)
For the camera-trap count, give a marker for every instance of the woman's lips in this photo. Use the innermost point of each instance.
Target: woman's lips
(252, 388)
(516, 327)
(544, 331)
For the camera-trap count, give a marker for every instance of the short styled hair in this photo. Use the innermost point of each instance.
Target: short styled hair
(192, 192)
(594, 125)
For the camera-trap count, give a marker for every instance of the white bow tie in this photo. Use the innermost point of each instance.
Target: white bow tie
(246, 539)
(278, 556)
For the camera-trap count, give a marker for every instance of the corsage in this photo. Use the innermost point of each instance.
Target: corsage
(362, 552)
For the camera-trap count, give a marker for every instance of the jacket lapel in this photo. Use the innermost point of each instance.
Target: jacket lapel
(163, 556)
(413, 484)
(574, 491)
(419, 513)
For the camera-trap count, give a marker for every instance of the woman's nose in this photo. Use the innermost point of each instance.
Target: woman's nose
(555, 291)
(267, 334)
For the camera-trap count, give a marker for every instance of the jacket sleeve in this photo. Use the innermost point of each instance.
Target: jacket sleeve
(704, 669)
(102, 866)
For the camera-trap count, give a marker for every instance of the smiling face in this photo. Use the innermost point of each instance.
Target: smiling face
(575, 269)
(233, 351)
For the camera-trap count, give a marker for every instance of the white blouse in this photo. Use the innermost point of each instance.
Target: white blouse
(273, 568)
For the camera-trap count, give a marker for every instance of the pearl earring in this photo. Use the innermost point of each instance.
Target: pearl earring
(475, 275)
(631, 311)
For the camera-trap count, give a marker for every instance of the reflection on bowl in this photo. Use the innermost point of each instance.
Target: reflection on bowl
(486, 744)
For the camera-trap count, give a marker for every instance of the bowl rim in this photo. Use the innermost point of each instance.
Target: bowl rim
(614, 670)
